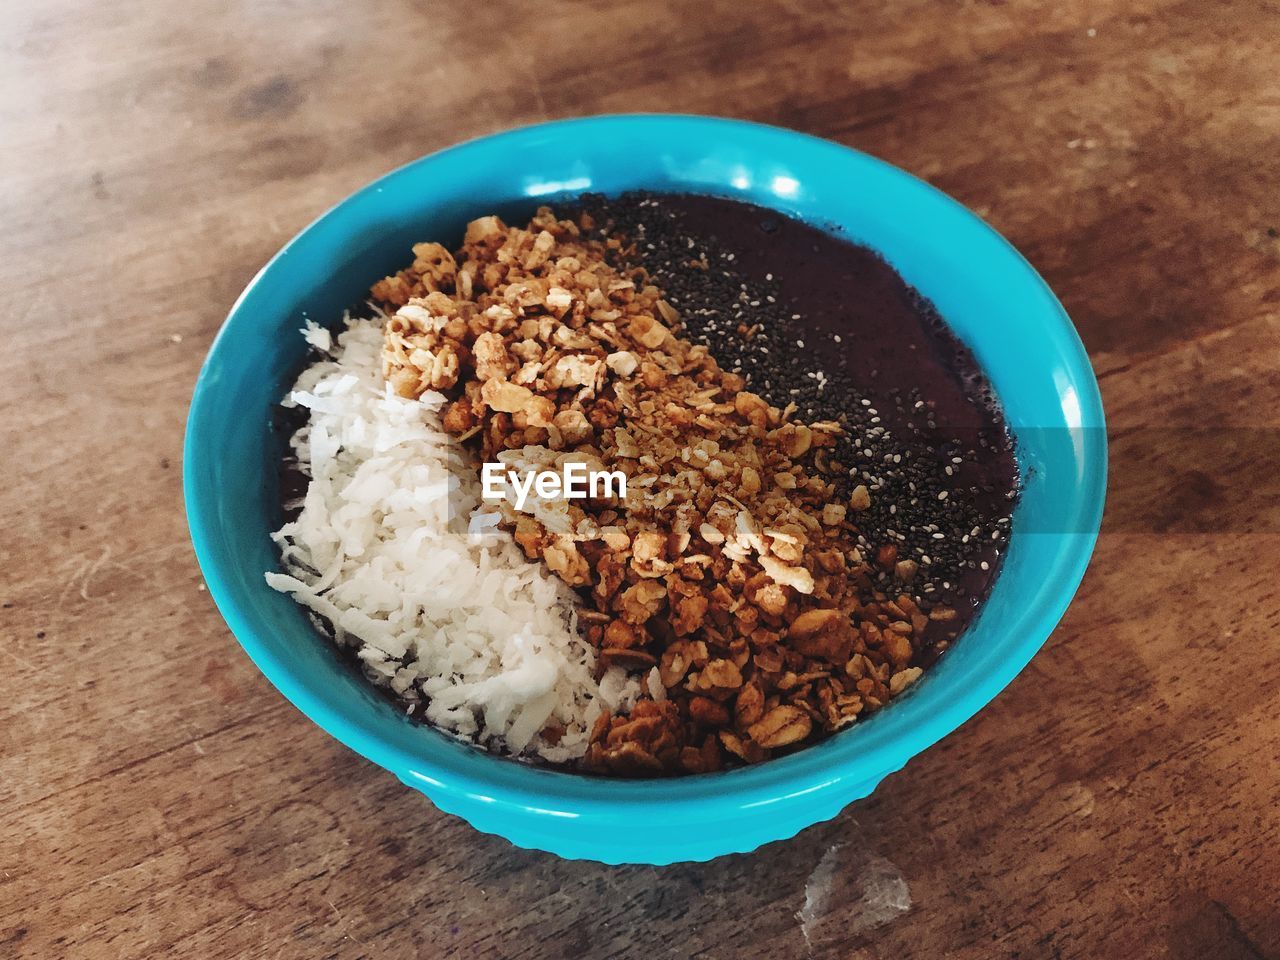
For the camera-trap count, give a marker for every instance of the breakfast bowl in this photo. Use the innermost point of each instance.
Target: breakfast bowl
(991, 298)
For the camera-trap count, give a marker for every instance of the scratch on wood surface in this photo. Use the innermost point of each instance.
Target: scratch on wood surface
(92, 572)
(69, 584)
(343, 921)
(18, 660)
(87, 568)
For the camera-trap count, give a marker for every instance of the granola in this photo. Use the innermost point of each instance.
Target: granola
(731, 571)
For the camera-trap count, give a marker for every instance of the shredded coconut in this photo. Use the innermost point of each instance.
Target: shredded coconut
(394, 558)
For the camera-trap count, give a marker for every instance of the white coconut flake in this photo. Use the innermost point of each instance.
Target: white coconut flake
(317, 336)
(393, 552)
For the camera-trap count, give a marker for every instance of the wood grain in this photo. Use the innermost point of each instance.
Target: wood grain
(159, 799)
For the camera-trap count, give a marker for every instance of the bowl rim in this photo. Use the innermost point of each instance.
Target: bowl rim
(885, 741)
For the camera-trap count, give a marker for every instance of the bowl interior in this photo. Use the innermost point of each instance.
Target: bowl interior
(987, 293)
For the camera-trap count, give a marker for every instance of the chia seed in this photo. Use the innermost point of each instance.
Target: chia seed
(942, 493)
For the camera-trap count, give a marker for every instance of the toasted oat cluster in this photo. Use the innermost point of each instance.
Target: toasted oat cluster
(729, 573)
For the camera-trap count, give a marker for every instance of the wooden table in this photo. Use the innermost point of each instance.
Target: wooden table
(159, 799)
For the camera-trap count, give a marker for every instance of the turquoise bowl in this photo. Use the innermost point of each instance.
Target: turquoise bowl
(987, 292)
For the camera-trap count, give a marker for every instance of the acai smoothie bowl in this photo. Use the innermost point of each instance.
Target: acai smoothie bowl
(644, 488)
